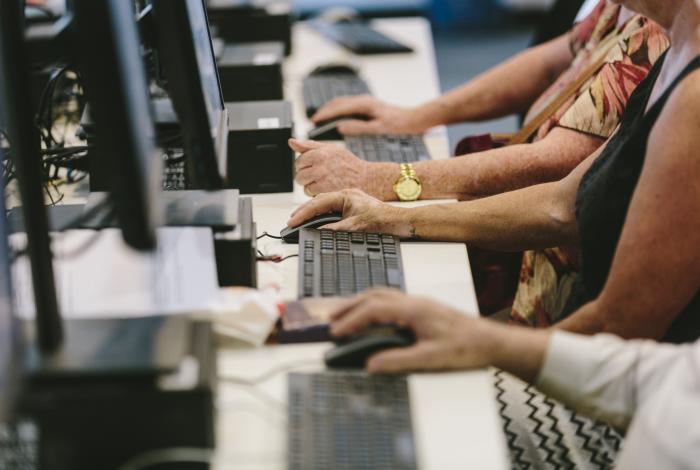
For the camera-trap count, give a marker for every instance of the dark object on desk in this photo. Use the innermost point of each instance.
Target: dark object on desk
(335, 68)
(251, 72)
(259, 157)
(358, 36)
(353, 351)
(344, 263)
(252, 21)
(319, 89)
(404, 148)
(349, 420)
(291, 234)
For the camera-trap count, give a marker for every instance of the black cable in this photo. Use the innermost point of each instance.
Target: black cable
(265, 234)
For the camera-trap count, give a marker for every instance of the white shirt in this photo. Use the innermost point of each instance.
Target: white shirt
(652, 390)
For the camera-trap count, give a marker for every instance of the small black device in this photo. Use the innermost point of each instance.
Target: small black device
(352, 352)
(403, 148)
(349, 420)
(259, 157)
(242, 21)
(358, 36)
(345, 263)
(291, 234)
(251, 71)
(187, 56)
(320, 88)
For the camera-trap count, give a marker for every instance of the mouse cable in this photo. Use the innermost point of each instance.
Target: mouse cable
(270, 373)
(265, 234)
(274, 258)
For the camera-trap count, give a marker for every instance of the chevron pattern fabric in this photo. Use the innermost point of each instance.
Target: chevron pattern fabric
(543, 434)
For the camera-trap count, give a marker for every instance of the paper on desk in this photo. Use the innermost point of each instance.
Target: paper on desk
(109, 279)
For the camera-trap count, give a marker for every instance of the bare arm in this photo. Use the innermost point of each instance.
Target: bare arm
(656, 268)
(497, 93)
(492, 94)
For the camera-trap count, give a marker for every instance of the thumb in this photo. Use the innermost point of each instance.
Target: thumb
(357, 127)
(303, 146)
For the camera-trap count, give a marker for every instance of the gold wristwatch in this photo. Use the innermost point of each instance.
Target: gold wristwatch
(408, 187)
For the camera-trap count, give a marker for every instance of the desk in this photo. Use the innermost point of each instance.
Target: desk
(454, 414)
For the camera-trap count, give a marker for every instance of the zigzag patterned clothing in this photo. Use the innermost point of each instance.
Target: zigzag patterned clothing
(543, 434)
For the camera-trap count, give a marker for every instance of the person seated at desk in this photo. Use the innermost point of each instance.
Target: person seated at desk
(566, 136)
(632, 207)
(647, 390)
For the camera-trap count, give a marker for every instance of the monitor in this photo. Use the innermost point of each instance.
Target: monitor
(114, 80)
(10, 337)
(16, 98)
(192, 81)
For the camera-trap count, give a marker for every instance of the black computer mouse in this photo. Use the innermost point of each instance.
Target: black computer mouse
(335, 68)
(329, 130)
(352, 352)
(291, 234)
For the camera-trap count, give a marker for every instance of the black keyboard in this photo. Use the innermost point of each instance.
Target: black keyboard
(320, 89)
(344, 263)
(349, 421)
(174, 172)
(359, 37)
(19, 446)
(406, 148)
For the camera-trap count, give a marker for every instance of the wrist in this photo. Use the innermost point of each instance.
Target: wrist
(431, 114)
(380, 178)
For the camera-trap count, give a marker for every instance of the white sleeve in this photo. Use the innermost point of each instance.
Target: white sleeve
(603, 376)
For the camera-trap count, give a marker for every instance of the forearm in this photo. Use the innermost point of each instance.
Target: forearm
(495, 93)
(517, 350)
(538, 216)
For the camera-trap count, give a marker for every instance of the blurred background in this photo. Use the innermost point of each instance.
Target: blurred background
(470, 36)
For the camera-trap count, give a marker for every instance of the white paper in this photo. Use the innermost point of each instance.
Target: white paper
(109, 279)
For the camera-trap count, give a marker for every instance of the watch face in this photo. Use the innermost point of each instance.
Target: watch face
(408, 189)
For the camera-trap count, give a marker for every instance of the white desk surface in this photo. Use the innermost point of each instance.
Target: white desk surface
(455, 416)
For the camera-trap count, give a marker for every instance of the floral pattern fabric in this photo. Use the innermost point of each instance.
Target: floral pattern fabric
(547, 276)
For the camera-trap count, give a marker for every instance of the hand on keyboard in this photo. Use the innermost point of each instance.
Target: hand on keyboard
(445, 338)
(361, 213)
(384, 118)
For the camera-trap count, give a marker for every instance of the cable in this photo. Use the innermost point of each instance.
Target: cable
(265, 376)
(265, 234)
(274, 258)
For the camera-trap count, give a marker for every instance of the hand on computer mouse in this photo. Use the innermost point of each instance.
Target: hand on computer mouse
(383, 118)
(445, 338)
(361, 213)
(323, 167)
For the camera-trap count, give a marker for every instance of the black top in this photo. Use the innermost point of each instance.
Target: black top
(604, 196)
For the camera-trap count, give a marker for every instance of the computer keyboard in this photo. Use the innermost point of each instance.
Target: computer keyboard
(406, 148)
(344, 263)
(19, 446)
(174, 172)
(359, 37)
(349, 421)
(320, 89)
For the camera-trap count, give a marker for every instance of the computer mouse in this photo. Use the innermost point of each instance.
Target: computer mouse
(352, 352)
(335, 68)
(291, 234)
(329, 130)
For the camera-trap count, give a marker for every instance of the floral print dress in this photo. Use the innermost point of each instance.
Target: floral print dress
(547, 276)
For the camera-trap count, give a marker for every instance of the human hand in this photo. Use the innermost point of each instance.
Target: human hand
(322, 167)
(383, 118)
(445, 338)
(361, 213)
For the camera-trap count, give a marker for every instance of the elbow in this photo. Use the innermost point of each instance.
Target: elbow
(562, 219)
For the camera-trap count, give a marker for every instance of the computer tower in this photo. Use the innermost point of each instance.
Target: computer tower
(251, 72)
(255, 21)
(96, 413)
(259, 157)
